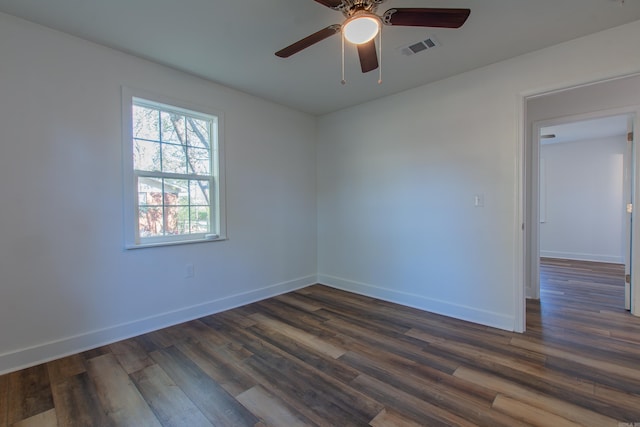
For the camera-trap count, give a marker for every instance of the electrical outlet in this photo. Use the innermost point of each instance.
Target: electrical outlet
(478, 200)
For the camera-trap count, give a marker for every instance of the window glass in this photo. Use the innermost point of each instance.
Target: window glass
(175, 159)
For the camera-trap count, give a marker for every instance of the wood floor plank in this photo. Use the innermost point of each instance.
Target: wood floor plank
(604, 347)
(582, 416)
(559, 384)
(318, 360)
(390, 418)
(334, 401)
(95, 352)
(585, 360)
(292, 400)
(172, 407)
(4, 400)
(271, 409)
(530, 414)
(61, 369)
(398, 343)
(473, 355)
(296, 381)
(620, 399)
(236, 318)
(498, 344)
(596, 376)
(411, 407)
(117, 394)
(212, 400)
(423, 377)
(464, 399)
(361, 316)
(43, 419)
(29, 393)
(146, 343)
(314, 342)
(166, 337)
(199, 331)
(219, 365)
(290, 314)
(130, 355)
(77, 403)
(299, 302)
(265, 381)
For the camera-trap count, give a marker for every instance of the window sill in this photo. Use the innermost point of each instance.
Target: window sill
(129, 246)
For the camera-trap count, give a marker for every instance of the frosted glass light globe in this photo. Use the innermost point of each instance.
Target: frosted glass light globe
(361, 29)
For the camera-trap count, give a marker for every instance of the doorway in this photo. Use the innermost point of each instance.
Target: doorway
(585, 189)
(615, 97)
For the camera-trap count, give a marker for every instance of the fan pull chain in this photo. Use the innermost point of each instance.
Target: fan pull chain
(343, 81)
(380, 56)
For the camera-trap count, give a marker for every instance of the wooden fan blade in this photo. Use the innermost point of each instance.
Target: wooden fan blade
(308, 41)
(368, 56)
(426, 17)
(330, 3)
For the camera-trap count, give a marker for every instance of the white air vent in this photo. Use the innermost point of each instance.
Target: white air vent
(421, 46)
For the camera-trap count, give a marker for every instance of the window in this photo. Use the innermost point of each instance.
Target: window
(173, 179)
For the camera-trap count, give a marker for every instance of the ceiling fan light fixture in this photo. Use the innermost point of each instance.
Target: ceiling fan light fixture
(361, 28)
(362, 25)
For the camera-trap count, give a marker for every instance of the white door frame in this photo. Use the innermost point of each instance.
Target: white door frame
(528, 223)
(629, 173)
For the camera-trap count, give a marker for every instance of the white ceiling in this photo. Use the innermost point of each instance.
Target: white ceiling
(232, 42)
(604, 127)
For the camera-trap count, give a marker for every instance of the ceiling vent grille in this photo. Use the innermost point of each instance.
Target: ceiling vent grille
(421, 46)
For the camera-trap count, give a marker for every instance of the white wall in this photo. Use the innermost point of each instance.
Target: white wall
(584, 215)
(397, 179)
(66, 283)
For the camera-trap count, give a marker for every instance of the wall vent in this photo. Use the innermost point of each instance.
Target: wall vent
(421, 46)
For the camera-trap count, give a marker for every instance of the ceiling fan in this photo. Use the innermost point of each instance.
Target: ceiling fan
(362, 25)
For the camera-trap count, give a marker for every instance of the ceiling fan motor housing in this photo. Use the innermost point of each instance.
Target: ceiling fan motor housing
(349, 7)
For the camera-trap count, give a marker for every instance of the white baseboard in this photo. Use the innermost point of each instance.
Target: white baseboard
(613, 259)
(52, 350)
(483, 317)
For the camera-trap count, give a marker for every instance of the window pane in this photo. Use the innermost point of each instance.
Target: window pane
(145, 123)
(182, 219)
(199, 192)
(200, 219)
(174, 159)
(169, 143)
(198, 133)
(150, 191)
(176, 192)
(142, 198)
(199, 161)
(146, 155)
(171, 220)
(173, 128)
(150, 222)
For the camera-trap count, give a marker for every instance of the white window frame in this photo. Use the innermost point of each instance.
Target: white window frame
(217, 227)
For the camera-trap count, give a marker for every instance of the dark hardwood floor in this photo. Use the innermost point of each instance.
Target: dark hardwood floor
(324, 357)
